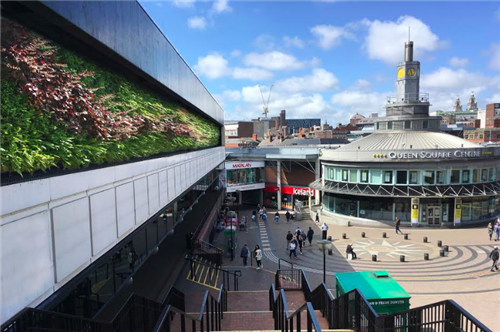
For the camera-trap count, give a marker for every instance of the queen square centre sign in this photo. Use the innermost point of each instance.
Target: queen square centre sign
(435, 154)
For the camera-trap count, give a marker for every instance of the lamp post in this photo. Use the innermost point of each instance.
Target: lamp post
(233, 237)
(324, 245)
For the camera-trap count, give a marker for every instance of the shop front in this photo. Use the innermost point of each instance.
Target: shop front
(245, 180)
(289, 196)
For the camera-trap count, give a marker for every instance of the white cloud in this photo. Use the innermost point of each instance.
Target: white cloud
(494, 57)
(232, 95)
(197, 22)
(214, 66)
(254, 74)
(221, 6)
(273, 61)
(293, 42)
(360, 98)
(493, 99)
(319, 81)
(184, 3)
(329, 36)
(235, 53)
(385, 40)
(446, 78)
(458, 62)
(265, 42)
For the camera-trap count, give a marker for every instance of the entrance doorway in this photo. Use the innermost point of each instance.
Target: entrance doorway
(434, 214)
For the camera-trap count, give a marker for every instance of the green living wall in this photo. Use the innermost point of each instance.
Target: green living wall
(60, 110)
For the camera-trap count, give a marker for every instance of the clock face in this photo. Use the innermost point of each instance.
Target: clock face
(411, 72)
(401, 73)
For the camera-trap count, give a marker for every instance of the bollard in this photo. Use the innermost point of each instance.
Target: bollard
(446, 248)
(374, 258)
(348, 224)
(440, 243)
(441, 253)
(384, 235)
(425, 239)
(344, 236)
(363, 234)
(406, 236)
(330, 238)
(330, 251)
(426, 257)
(402, 258)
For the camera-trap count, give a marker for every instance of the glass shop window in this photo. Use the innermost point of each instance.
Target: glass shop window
(402, 177)
(388, 177)
(455, 176)
(465, 176)
(345, 175)
(364, 176)
(414, 177)
(441, 177)
(429, 177)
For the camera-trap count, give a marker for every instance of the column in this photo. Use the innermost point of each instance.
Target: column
(457, 215)
(261, 197)
(317, 175)
(278, 183)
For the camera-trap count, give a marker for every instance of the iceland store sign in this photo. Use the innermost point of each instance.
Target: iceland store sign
(435, 154)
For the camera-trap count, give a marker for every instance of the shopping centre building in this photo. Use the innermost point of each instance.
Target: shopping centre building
(409, 169)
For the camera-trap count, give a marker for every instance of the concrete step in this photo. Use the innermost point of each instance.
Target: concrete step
(248, 300)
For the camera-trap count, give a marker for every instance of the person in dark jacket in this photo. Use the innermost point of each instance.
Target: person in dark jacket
(287, 216)
(494, 255)
(350, 251)
(245, 253)
(289, 238)
(398, 223)
(310, 234)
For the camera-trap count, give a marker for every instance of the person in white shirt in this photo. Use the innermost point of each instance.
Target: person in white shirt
(257, 253)
(324, 230)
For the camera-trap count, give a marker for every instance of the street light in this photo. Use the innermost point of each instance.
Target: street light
(324, 245)
(233, 238)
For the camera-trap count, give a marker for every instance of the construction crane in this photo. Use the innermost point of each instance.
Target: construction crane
(264, 103)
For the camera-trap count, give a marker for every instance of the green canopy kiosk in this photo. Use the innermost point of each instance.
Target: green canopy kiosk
(380, 289)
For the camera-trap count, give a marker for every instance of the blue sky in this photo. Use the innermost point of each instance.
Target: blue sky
(331, 59)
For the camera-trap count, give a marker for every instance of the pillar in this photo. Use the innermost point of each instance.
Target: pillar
(261, 197)
(278, 183)
(457, 215)
(317, 175)
(240, 197)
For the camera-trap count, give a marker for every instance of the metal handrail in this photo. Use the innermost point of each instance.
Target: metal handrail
(284, 260)
(226, 273)
(283, 320)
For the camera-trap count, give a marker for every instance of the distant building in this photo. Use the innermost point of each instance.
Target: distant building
(294, 125)
(356, 118)
(457, 107)
(472, 104)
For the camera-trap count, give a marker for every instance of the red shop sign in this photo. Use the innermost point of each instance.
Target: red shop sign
(301, 191)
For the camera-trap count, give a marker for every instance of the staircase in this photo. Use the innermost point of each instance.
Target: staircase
(204, 272)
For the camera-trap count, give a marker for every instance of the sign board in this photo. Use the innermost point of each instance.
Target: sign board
(245, 187)
(414, 210)
(458, 212)
(462, 153)
(300, 191)
(244, 164)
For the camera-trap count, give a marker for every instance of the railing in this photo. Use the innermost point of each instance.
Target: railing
(288, 279)
(408, 97)
(209, 318)
(285, 321)
(283, 260)
(208, 251)
(227, 276)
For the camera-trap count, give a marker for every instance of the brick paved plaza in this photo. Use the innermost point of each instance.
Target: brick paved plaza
(462, 275)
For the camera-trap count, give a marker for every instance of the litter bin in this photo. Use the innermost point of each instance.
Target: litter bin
(384, 293)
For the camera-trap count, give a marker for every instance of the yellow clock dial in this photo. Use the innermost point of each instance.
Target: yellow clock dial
(401, 73)
(411, 72)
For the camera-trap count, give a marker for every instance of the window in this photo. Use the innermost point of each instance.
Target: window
(475, 176)
(353, 177)
(455, 176)
(345, 175)
(364, 176)
(498, 135)
(389, 125)
(425, 124)
(441, 177)
(476, 135)
(465, 176)
(481, 136)
(407, 124)
(492, 174)
(414, 177)
(402, 177)
(484, 175)
(429, 177)
(378, 125)
(466, 136)
(388, 177)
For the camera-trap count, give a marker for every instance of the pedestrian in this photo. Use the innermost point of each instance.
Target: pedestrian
(293, 248)
(277, 217)
(496, 230)
(398, 223)
(494, 255)
(264, 217)
(350, 251)
(317, 217)
(299, 241)
(310, 234)
(261, 213)
(324, 230)
(257, 254)
(287, 216)
(297, 231)
(304, 238)
(245, 253)
(490, 230)
(289, 238)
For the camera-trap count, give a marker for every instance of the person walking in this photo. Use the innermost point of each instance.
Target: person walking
(261, 213)
(494, 255)
(289, 238)
(277, 217)
(287, 216)
(496, 230)
(310, 234)
(490, 230)
(316, 220)
(398, 223)
(245, 253)
(293, 248)
(254, 215)
(257, 254)
(304, 238)
(324, 230)
(297, 231)
(299, 241)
